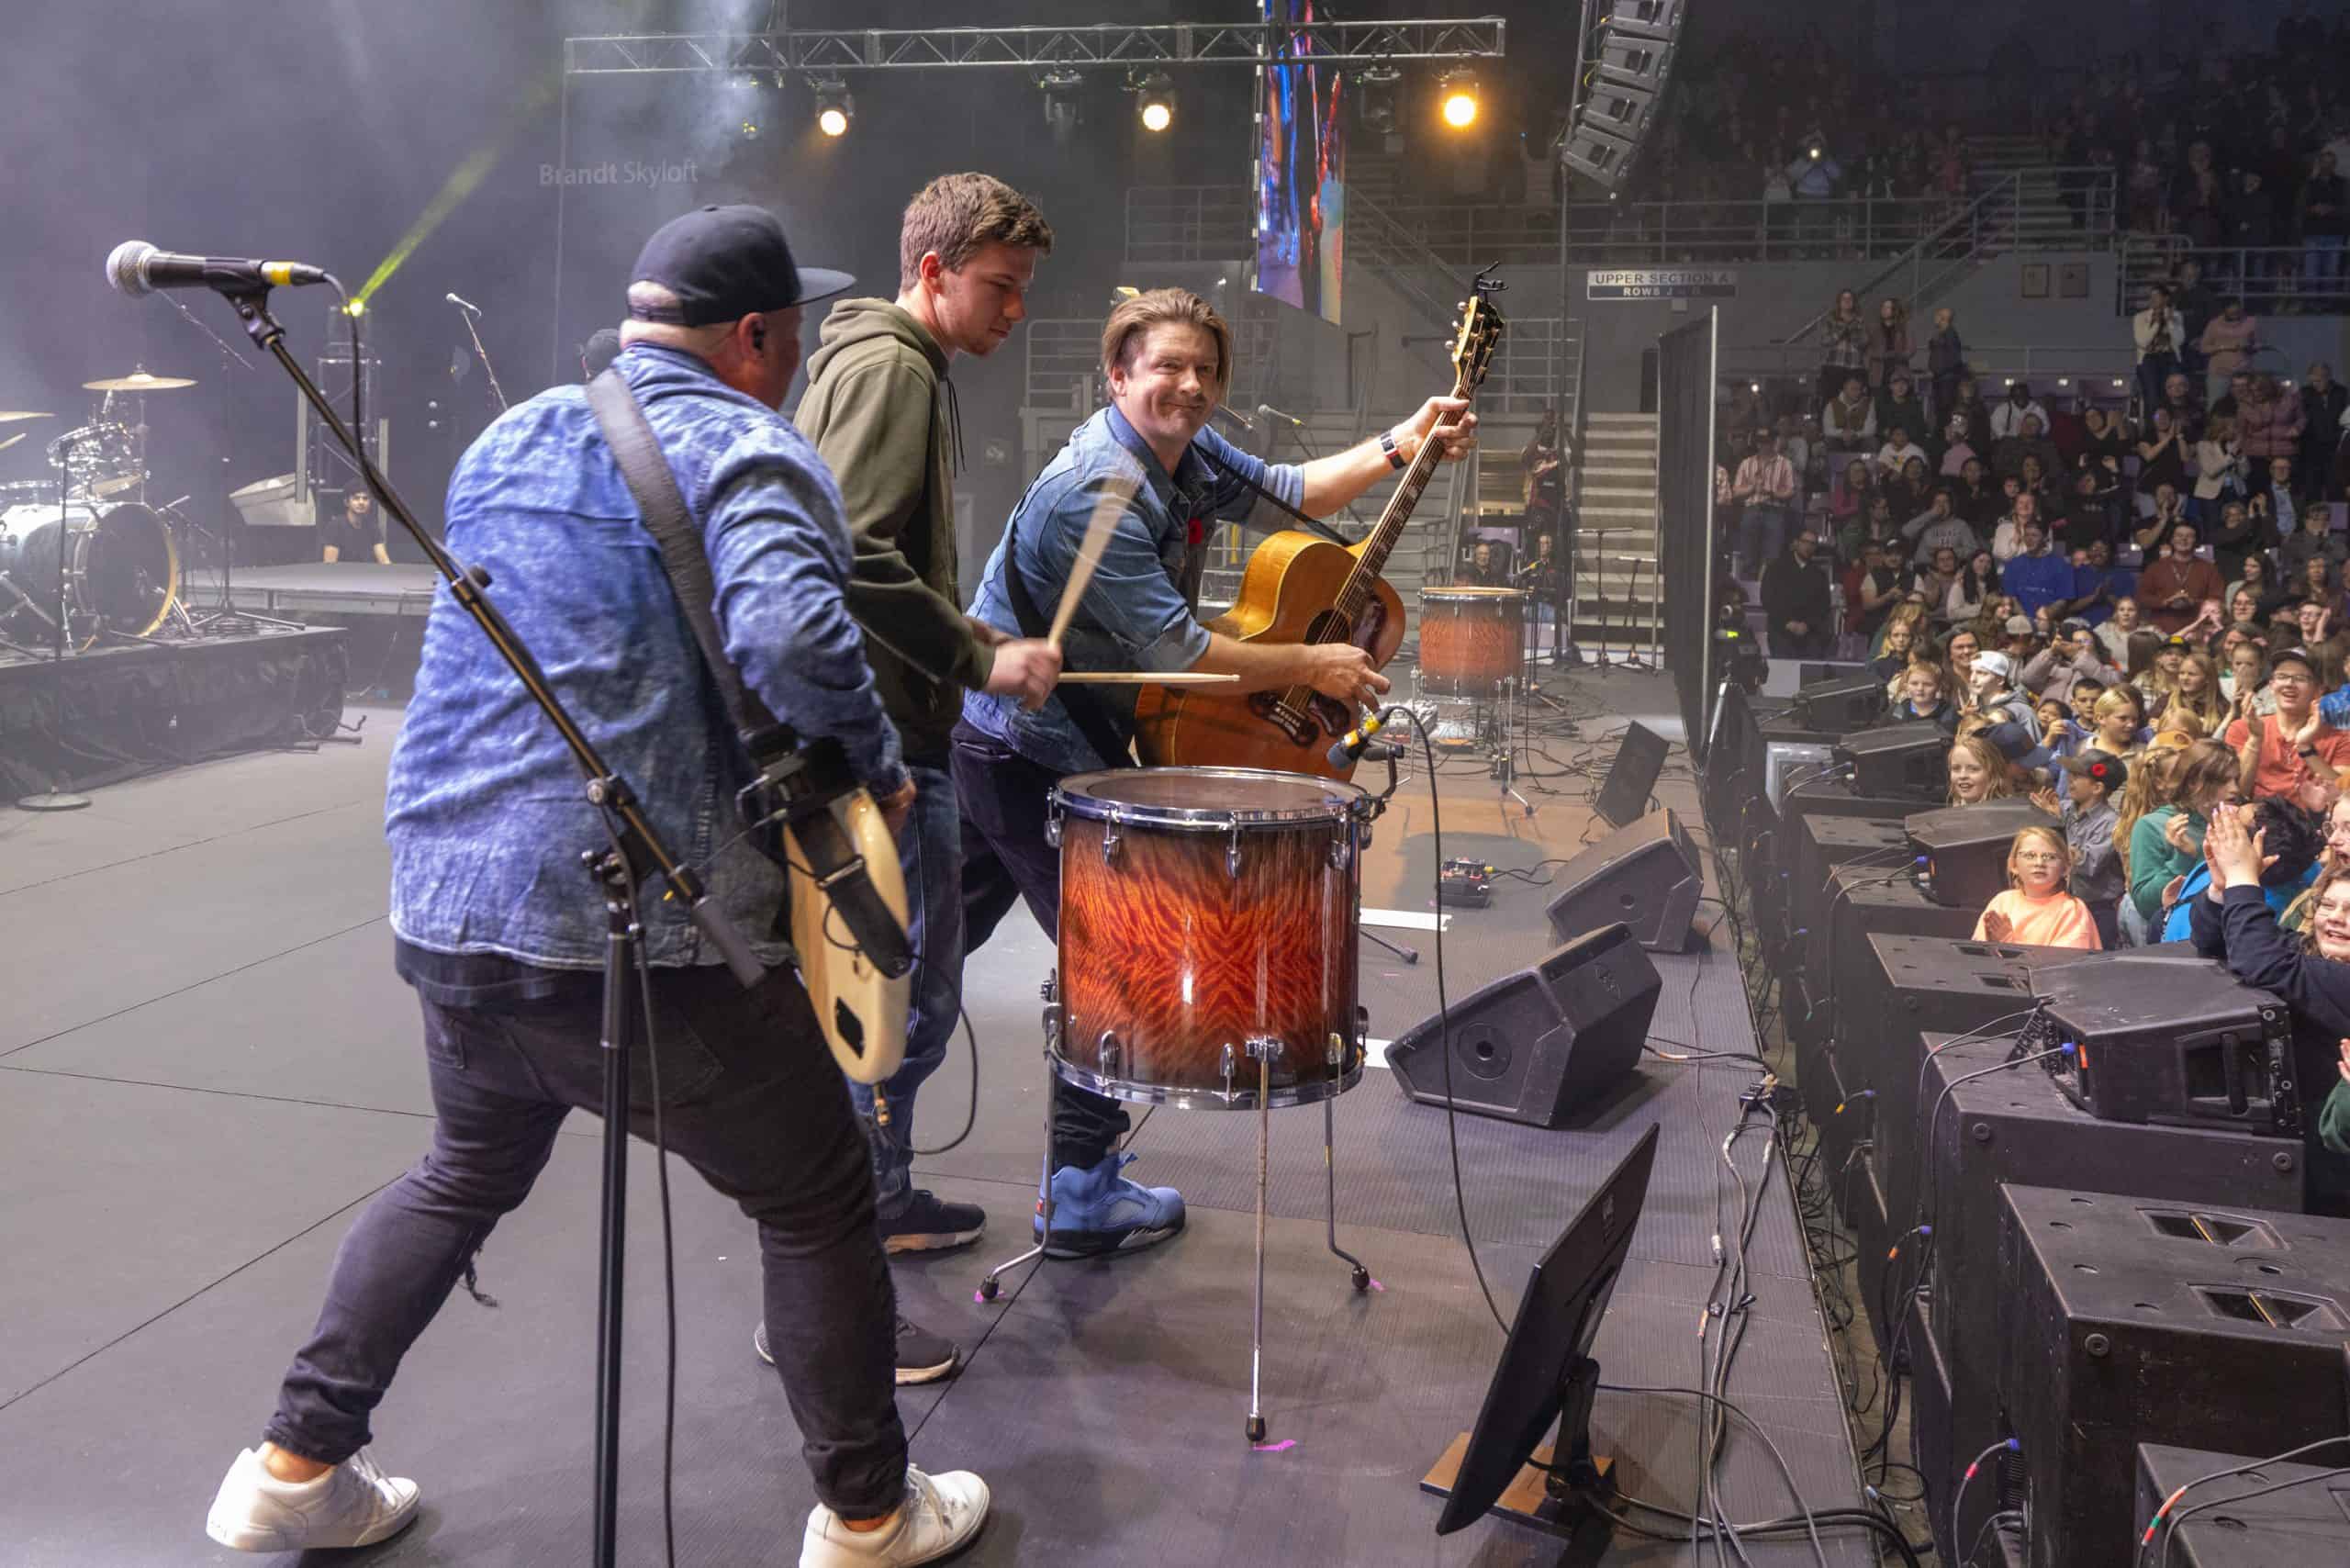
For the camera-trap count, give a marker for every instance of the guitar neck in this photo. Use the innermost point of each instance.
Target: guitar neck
(1400, 506)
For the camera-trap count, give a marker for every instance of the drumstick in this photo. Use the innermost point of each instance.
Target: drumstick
(1106, 512)
(1144, 677)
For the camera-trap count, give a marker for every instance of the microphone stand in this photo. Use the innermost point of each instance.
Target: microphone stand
(482, 354)
(54, 799)
(636, 851)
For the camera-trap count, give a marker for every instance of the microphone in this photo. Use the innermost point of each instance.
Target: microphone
(465, 304)
(1348, 748)
(137, 268)
(1266, 410)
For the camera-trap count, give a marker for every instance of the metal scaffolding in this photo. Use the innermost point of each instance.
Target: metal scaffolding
(1109, 44)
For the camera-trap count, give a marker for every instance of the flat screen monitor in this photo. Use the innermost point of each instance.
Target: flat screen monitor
(1300, 170)
(1624, 795)
(1546, 1375)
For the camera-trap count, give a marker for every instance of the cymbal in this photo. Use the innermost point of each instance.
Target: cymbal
(137, 381)
(23, 414)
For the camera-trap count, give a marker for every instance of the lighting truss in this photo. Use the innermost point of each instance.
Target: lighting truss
(1108, 44)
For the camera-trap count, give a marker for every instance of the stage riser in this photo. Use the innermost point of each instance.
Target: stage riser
(141, 706)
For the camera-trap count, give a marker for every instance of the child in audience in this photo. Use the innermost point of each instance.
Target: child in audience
(2167, 842)
(2036, 908)
(1977, 772)
(2093, 781)
(1922, 700)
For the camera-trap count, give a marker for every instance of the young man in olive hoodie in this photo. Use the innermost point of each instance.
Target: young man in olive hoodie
(883, 414)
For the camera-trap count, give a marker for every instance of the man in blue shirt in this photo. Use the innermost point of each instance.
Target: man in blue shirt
(2037, 575)
(1167, 356)
(502, 933)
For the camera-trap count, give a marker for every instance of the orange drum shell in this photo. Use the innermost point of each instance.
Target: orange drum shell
(1166, 948)
(1470, 640)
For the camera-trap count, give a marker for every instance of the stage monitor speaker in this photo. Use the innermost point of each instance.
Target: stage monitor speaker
(1624, 794)
(1964, 849)
(2125, 1320)
(1991, 1129)
(1646, 877)
(2284, 1528)
(1539, 1045)
(1841, 704)
(2156, 1038)
(1900, 759)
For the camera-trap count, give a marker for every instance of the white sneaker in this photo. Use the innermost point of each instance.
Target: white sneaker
(355, 1504)
(938, 1518)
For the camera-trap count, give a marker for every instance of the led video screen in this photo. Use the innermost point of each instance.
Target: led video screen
(1301, 172)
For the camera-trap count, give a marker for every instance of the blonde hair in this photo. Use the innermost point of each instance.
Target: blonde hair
(2207, 710)
(2051, 835)
(955, 214)
(699, 342)
(1995, 769)
(2149, 786)
(1132, 319)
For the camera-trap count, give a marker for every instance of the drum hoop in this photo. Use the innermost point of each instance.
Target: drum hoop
(1349, 800)
(1471, 595)
(1305, 1092)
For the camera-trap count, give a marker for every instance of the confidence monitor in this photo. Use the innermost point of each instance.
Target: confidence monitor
(1623, 797)
(1546, 1378)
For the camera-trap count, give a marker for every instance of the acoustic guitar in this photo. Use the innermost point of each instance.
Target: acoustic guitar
(1301, 589)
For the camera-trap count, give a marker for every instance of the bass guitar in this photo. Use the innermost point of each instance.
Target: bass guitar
(1301, 589)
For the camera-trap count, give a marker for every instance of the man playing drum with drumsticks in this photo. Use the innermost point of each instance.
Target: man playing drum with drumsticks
(1167, 355)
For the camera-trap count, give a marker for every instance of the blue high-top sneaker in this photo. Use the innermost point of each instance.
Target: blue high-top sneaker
(1095, 1210)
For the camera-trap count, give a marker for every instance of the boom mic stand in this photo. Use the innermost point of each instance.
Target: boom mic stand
(636, 849)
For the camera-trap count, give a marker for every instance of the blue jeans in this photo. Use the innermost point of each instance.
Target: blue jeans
(2321, 262)
(750, 1099)
(1766, 525)
(930, 851)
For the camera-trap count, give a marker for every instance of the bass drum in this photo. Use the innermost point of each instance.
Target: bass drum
(122, 571)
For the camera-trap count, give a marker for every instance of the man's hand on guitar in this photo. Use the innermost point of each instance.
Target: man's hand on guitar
(1343, 671)
(1458, 435)
(896, 808)
(1025, 668)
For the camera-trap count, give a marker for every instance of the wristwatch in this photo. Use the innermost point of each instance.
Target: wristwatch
(1387, 445)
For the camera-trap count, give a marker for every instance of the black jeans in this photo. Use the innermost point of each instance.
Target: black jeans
(1005, 798)
(750, 1097)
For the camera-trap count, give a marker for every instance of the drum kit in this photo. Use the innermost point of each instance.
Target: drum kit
(1207, 960)
(118, 557)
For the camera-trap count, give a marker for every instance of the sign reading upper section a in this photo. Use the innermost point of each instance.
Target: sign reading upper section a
(1662, 282)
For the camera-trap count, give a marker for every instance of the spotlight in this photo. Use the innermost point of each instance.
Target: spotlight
(356, 307)
(834, 108)
(1062, 86)
(1457, 90)
(1378, 86)
(1156, 101)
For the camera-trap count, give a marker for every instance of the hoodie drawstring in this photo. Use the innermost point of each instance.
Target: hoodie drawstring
(954, 420)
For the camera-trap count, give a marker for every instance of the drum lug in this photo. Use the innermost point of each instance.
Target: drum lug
(1111, 1054)
(1363, 1027)
(1108, 841)
(1051, 989)
(1336, 1052)
(1228, 1067)
(1341, 849)
(1232, 853)
(1263, 1047)
(1053, 823)
(1054, 1019)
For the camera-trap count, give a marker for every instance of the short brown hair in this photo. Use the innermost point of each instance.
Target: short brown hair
(1162, 307)
(955, 214)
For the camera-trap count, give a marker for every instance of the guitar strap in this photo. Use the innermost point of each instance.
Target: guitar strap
(836, 867)
(1083, 705)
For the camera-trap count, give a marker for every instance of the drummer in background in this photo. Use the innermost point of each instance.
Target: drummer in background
(1483, 570)
(360, 532)
(1167, 356)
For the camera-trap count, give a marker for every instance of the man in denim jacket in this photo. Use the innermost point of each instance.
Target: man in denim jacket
(502, 933)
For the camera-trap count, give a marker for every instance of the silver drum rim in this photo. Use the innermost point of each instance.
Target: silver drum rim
(1348, 801)
(1309, 1092)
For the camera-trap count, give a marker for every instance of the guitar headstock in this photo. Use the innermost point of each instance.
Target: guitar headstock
(1480, 333)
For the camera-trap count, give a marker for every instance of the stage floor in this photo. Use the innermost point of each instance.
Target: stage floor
(206, 1066)
(349, 588)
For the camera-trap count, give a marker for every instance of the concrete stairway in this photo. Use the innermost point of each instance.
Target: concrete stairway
(1614, 490)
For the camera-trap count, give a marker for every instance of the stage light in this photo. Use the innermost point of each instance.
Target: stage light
(1457, 89)
(356, 307)
(834, 108)
(1156, 101)
(1061, 87)
(1378, 86)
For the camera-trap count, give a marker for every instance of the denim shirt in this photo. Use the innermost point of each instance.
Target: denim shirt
(1137, 613)
(485, 810)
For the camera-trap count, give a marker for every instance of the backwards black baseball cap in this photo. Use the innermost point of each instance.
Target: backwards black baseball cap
(726, 263)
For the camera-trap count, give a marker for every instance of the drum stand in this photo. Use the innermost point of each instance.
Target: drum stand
(1262, 1051)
